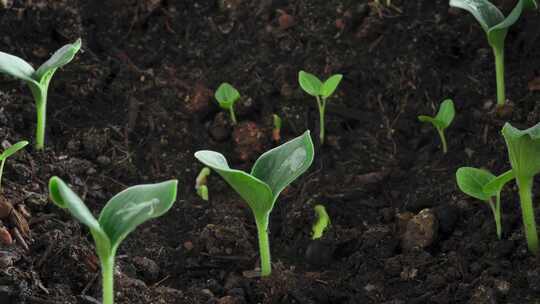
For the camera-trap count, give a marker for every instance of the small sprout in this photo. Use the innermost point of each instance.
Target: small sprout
(120, 216)
(442, 120)
(200, 183)
(38, 80)
(226, 95)
(321, 91)
(276, 131)
(524, 153)
(7, 153)
(322, 223)
(496, 27)
(272, 172)
(483, 185)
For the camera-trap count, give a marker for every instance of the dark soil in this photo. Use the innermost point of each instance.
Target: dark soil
(137, 102)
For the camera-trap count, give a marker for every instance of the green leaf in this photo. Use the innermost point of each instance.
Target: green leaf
(487, 14)
(523, 149)
(61, 57)
(226, 95)
(310, 83)
(495, 185)
(322, 223)
(446, 113)
(282, 165)
(330, 85)
(472, 181)
(13, 149)
(134, 206)
(16, 67)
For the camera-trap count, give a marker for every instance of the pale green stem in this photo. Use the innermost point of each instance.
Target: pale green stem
(264, 246)
(499, 71)
(443, 140)
(322, 107)
(3, 161)
(40, 98)
(527, 211)
(107, 271)
(496, 210)
(233, 117)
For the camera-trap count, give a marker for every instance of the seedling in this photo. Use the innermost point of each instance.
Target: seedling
(483, 185)
(323, 221)
(200, 183)
(321, 91)
(442, 120)
(38, 80)
(524, 153)
(7, 153)
(226, 95)
(272, 172)
(120, 216)
(276, 131)
(496, 27)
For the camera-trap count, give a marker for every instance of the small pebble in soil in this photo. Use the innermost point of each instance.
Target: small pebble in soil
(421, 231)
(147, 268)
(248, 139)
(319, 252)
(221, 127)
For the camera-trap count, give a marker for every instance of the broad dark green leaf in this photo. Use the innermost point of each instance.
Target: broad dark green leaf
(13, 149)
(310, 83)
(330, 85)
(523, 149)
(16, 67)
(472, 181)
(61, 57)
(282, 165)
(134, 206)
(226, 95)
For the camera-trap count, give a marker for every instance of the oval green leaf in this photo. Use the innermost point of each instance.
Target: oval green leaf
(446, 113)
(495, 185)
(472, 181)
(330, 85)
(16, 67)
(13, 149)
(226, 95)
(61, 57)
(310, 83)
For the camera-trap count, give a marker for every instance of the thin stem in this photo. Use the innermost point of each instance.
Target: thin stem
(322, 107)
(107, 271)
(496, 210)
(527, 211)
(233, 117)
(3, 161)
(40, 97)
(499, 71)
(443, 140)
(264, 246)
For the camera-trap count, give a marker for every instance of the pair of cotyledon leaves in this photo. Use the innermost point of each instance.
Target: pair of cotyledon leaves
(121, 215)
(492, 19)
(226, 95)
(444, 116)
(315, 87)
(271, 173)
(13, 149)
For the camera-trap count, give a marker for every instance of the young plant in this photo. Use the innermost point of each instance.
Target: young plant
(226, 95)
(200, 183)
(321, 91)
(7, 153)
(276, 131)
(483, 185)
(323, 221)
(496, 27)
(524, 153)
(120, 216)
(38, 80)
(442, 120)
(272, 172)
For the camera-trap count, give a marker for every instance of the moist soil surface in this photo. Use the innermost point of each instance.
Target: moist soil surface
(137, 102)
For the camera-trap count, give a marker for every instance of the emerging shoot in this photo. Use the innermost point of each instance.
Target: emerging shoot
(276, 131)
(7, 153)
(38, 80)
(496, 27)
(271, 173)
(226, 95)
(483, 185)
(442, 120)
(120, 216)
(322, 223)
(524, 153)
(200, 183)
(321, 91)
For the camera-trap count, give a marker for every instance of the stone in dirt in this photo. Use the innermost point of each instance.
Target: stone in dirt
(421, 231)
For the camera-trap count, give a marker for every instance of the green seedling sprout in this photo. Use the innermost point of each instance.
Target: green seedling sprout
(322, 223)
(271, 173)
(321, 91)
(483, 185)
(7, 153)
(496, 26)
(442, 120)
(200, 183)
(226, 95)
(276, 131)
(524, 153)
(120, 216)
(38, 80)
